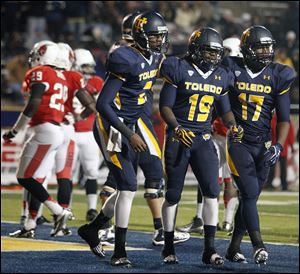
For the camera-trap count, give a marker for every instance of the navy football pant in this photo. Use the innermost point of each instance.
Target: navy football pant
(246, 161)
(202, 158)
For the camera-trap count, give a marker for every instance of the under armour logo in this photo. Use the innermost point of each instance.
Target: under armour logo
(217, 77)
(267, 77)
(142, 65)
(190, 72)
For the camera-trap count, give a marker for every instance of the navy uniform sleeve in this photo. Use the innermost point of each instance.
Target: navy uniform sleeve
(286, 76)
(223, 104)
(227, 62)
(170, 71)
(119, 64)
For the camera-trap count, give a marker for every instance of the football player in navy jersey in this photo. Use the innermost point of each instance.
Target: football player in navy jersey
(132, 72)
(149, 160)
(193, 86)
(260, 86)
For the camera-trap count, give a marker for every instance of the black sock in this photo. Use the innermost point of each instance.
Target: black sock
(100, 221)
(157, 223)
(64, 192)
(91, 186)
(209, 236)
(235, 243)
(35, 188)
(169, 245)
(256, 239)
(120, 240)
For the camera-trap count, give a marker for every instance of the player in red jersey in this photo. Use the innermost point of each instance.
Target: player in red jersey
(87, 152)
(65, 155)
(44, 112)
(230, 192)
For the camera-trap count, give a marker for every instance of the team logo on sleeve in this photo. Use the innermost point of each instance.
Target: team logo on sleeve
(237, 73)
(190, 72)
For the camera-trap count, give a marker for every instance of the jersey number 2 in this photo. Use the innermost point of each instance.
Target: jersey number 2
(57, 100)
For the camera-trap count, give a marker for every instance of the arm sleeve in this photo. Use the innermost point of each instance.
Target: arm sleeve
(166, 102)
(223, 104)
(104, 102)
(285, 79)
(167, 95)
(282, 107)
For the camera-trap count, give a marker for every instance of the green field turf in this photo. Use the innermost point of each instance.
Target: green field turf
(279, 213)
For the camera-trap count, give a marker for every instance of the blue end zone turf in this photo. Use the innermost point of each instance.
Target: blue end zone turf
(282, 258)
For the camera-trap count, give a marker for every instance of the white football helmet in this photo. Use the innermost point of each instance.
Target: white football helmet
(84, 61)
(43, 53)
(65, 57)
(232, 45)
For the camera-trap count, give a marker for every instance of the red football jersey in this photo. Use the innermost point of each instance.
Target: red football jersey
(219, 127)
(93, 86)
(51, 108)
(75, 82)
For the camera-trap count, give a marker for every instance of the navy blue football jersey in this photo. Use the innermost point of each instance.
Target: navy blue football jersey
(196, 92)
(253, 96)
(139, 75)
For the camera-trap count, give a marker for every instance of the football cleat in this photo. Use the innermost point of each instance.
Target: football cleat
(260, 256)
(42, 220)
(63, 232)
(236, 257)
(212, 257)
(170, 259)
(227, 227)
(179, 237)
(60, 221)
(196, 225)
(72, 216)
(91, 215)
(120, 262)
(23, 233)
(107, 236)
(90, 235)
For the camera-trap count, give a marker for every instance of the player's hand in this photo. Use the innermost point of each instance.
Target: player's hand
(137, 143)
(236, 133)
(272, 155)
(70, 119)
(184, 136)
(7, 136)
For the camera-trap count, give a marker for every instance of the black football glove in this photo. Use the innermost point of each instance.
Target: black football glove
(7, 136)
(236, 133)
(272, 155)
(184, 136)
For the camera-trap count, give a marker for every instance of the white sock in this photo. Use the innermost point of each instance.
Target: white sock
(210, 211)
(230, 209)
(109, 206)
(40, 211)
(169, 216)
(199, 210)
(92, 201)
(30, 224)
(123, 208)
(54, 207)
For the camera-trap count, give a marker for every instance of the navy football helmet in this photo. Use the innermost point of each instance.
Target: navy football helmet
(257, 45)
(127, 26)
(205, 48)
(150, 32)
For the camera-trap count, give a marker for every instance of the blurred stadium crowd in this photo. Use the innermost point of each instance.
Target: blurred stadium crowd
(96, 25)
